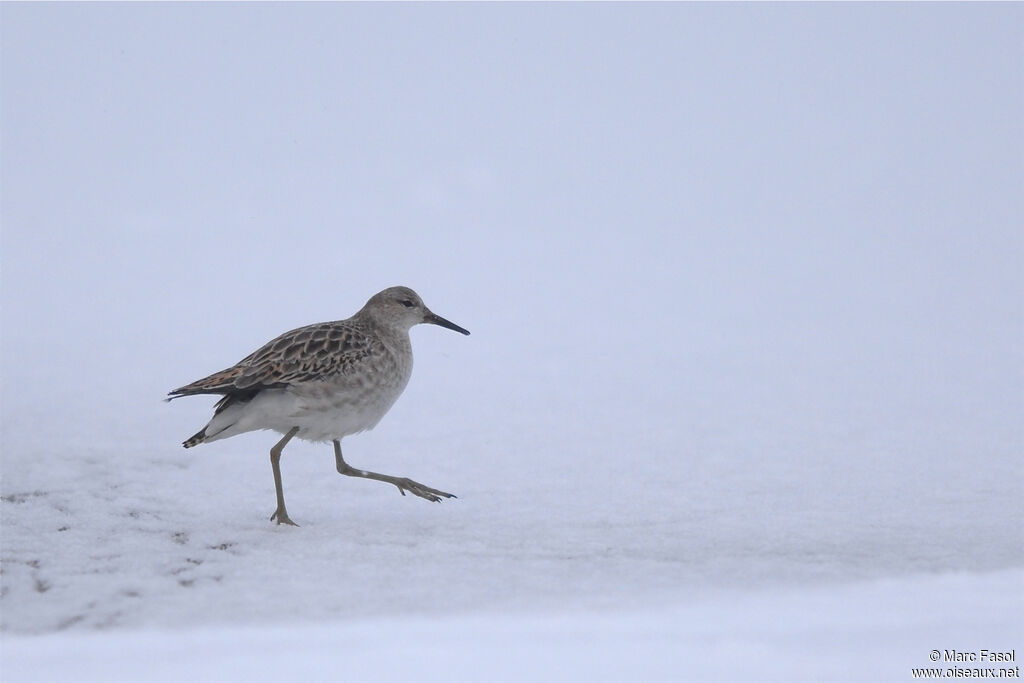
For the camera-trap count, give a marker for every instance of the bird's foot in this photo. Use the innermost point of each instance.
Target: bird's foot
(281, 516)
(417, 489)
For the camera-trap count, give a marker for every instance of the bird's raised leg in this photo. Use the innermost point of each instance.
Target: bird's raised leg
(280, 514)
(403, 484)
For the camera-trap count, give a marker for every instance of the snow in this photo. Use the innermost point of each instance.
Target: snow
(796, 633)
(742, 397)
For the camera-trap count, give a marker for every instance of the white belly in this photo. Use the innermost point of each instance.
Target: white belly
(322, 411)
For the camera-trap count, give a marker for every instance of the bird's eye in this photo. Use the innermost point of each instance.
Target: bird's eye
(407, 303)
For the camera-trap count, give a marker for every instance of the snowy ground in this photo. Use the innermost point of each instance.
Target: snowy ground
(697, 552)
(743, 394)
(879, 630)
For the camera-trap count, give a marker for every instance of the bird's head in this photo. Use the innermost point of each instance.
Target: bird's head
(402, 308)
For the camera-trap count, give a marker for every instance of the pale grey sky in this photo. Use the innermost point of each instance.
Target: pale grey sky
(183, 181)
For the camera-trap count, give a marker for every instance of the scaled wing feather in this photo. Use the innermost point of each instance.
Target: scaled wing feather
(308, 353)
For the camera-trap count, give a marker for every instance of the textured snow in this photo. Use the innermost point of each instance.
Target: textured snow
(877, 630)
(744, 391)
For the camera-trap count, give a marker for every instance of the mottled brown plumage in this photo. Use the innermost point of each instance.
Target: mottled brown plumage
(312, 353)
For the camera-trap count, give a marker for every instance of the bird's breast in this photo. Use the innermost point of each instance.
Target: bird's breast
(352, 402)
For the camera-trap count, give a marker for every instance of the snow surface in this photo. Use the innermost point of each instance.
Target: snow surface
(743, 394)
(879, 630)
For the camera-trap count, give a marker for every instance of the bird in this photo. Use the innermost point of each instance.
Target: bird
(321, 383)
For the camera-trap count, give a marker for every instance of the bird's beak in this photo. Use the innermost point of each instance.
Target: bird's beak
(438, 320)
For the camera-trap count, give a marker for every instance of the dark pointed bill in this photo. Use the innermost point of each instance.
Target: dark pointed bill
(438, 320)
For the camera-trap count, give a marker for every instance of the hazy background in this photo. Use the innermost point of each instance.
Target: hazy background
(182, 182)
(745, 284)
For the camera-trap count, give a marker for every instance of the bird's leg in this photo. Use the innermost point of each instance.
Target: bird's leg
(280, 514)
(403, 484)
